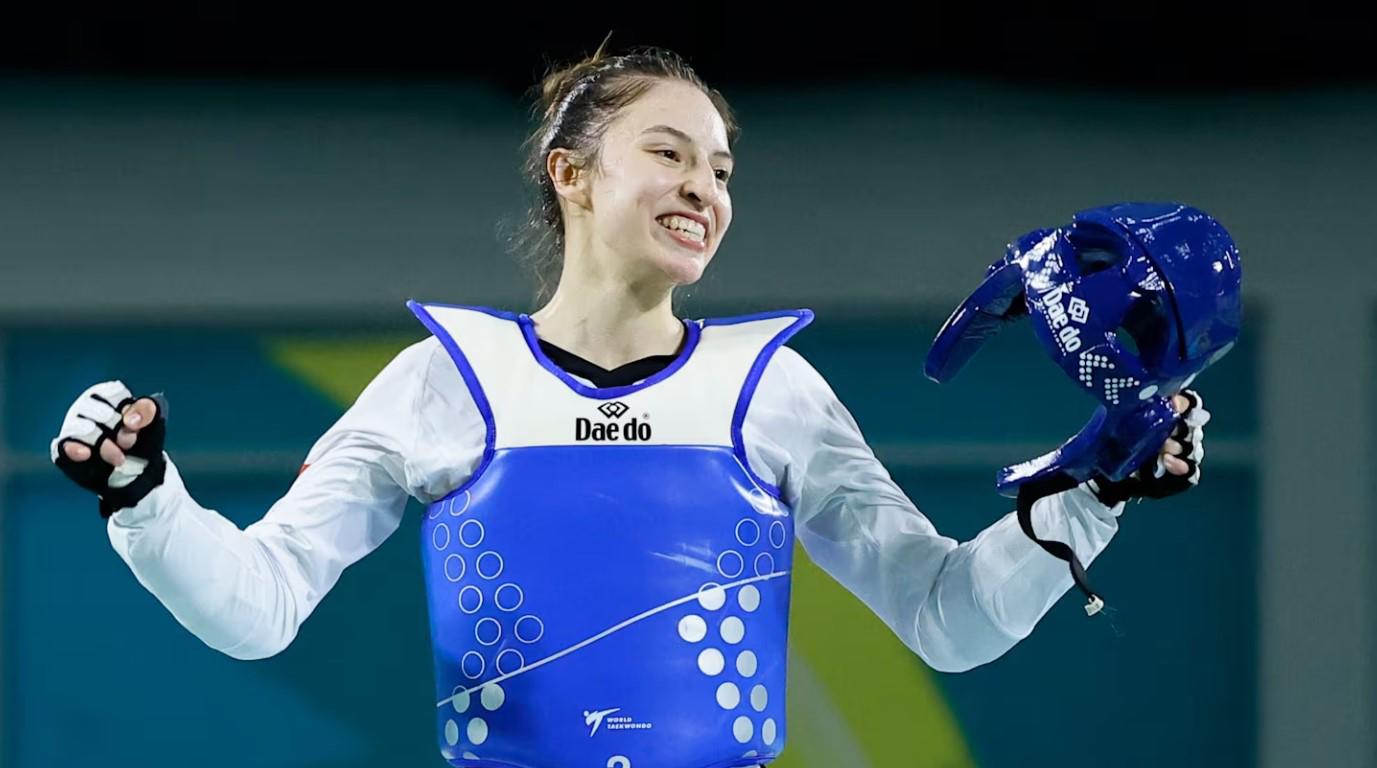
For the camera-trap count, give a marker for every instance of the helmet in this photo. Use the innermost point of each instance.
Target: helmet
(1132, 301)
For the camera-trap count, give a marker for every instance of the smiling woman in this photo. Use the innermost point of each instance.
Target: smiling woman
(613, 493)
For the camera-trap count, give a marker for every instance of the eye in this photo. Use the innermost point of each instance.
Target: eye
(668, 154)
(723, 175)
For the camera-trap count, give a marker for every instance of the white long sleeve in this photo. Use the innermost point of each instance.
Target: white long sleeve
(956, 604)
(415, 431)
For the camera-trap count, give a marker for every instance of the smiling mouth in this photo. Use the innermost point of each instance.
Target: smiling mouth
(685, 230)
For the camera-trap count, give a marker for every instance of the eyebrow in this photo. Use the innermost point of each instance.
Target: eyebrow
(678, 134)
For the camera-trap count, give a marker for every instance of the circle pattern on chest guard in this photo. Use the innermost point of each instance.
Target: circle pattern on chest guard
(529, 629)
(733, 630)
(767, 731)
(510, 661)
(439, 536)
(470, 599)
(487, 632)
(471, 533)
(777, 534)
(492, 697)
(712, 596)
(478, 731)
(760, 698)
(460, 701)
(472, 665)
(692, 628)
(747, 529)
(728, 696)
(748, 598)
(458, 505)
(742, 729)
(746, 664)
(730, 564)
(514, 597)
(710, 662)
(454, 568)
(451, 733)
(493, 568)
(764, 564)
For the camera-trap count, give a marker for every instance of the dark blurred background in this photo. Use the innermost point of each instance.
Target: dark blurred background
(231, 202)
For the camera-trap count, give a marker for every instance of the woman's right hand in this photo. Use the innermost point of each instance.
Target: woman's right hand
(126, 436)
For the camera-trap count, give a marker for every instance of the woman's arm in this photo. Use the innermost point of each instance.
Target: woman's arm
(247, 592)
(956, 604)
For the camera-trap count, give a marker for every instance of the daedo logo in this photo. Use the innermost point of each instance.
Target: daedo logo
(631, 431)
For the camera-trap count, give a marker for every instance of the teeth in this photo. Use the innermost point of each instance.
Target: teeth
(688, 226)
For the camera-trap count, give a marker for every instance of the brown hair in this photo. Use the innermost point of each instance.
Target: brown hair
(577, 104)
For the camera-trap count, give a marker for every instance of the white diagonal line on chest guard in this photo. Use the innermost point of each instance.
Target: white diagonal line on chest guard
(531, 405)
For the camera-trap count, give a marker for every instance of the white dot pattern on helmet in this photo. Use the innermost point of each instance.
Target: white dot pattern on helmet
(767, 731)
(712, 596)
(439, 537)
(747, 532)
(746, 663)
(492, 697)
(742, 729)
(452, 733)
(1147, 392)
(529, 628)
(749, 598)
(730, 564)
(710, 662)
(728, 696)
(692, 628)
(487, 632)
(759, 698)
(454, 568)
(733, 630)
(478, 731)
(471, 533)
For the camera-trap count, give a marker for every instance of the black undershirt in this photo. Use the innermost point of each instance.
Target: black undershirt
(622, 375)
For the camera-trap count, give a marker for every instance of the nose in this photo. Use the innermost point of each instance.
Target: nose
(700, 187)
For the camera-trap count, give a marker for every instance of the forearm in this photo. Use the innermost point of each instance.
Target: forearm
(991, 591)
(217, 581)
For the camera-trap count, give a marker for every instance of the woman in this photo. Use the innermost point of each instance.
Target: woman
(612, 492)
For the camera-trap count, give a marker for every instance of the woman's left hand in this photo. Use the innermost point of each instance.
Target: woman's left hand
(1176, 467)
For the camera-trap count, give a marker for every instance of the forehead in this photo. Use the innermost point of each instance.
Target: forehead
(678, 105)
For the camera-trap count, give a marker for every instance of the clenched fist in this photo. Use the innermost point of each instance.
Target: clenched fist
(111, 444)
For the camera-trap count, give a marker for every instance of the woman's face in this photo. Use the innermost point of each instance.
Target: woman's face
(658, 200)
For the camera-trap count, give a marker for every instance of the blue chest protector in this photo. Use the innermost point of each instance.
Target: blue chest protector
(610, 589)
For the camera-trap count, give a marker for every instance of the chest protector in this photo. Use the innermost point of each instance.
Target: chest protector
(610, 588)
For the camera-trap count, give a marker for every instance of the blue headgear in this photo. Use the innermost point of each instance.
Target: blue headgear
(1167, 276)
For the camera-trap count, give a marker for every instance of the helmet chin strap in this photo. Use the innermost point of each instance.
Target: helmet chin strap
(1028, 494)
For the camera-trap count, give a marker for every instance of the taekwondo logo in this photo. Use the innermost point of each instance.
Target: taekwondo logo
(633, 430)
(623, 723)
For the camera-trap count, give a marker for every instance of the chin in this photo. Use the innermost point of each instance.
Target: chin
(681, 270)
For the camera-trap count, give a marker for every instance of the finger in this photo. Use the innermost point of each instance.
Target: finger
(1196, 415)
(76, 451)
(126, 438)
(1176, 466)
(111, 453)
(1172, 447)
(140, 413)
(1180, 403)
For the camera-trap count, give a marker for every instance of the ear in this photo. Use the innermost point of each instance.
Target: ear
(569, 173)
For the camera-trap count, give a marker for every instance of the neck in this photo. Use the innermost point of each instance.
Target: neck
(609, 321)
